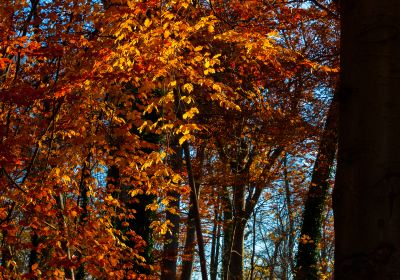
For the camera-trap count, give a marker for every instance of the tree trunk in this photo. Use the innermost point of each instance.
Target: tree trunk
(83, 203)
(188, 251)
(228, 233)
(307, 255)
(235, 267)
(367, 191)
(236, 258)
(171, 245)
(215, 240)
(290, 217)
(253, 249)
(197, 220)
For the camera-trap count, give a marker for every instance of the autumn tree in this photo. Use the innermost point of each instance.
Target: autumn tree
(117, 114)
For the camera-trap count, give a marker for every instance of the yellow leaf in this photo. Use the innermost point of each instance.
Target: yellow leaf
(188, 87)
(163, 229)
(142, 126)
(184, 138)
(189, 114)
(147, 22)
(197, 49)
(172, 211)
(66, 178)
(217, 88)
(167, 126)
(176, 178)
(135, 192)
(211, 28)
(185, 5)
(274, 33)
(165, 201)
(57, 171)
(166, 33)
(207, 63)
(152, 207)
(172, 84)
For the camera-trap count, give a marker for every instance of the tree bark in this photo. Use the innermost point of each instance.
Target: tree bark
(307, 255)
(235, 266)
(236, 258)
(197, 220)
(171, 245)
(366, 197)
(188, 251)
(228, 233)
(215, 241)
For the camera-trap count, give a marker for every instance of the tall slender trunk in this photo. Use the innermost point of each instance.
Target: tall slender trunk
(197, 219)
(83, 203)
(366, 198)
(307, 256)
(188, 251)
(291, 230)
(253, 251)
(34, 256)
(235, 267)
(171, 245)
(214, 241)
(236, 259)
(228, 233)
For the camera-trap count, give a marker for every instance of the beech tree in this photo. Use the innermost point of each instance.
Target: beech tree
(366, 187)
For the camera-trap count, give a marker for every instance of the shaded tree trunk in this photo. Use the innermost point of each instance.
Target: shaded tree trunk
(290, 217)
(197, 219)
(171, 245)
(215, 241)
(307, 255)
(228, 233)
(235, 266)
(188, 251)
(83, 203)
(366, 198)
(236, 254)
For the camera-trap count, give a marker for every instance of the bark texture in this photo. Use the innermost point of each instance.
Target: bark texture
(171, 245)
(367, 190)
(307, 256)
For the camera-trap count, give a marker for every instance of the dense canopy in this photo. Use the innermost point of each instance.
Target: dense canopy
(167, 139)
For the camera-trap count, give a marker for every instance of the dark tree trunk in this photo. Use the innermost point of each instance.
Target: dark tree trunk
(188, 251)
(140, 224)
(236, 258)
(171, 245)
(83, 203)
(197, 219)
(228, 233)
(215, 241)
(307, 255)
(235, 266)
(366, 198)
(34, 256)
